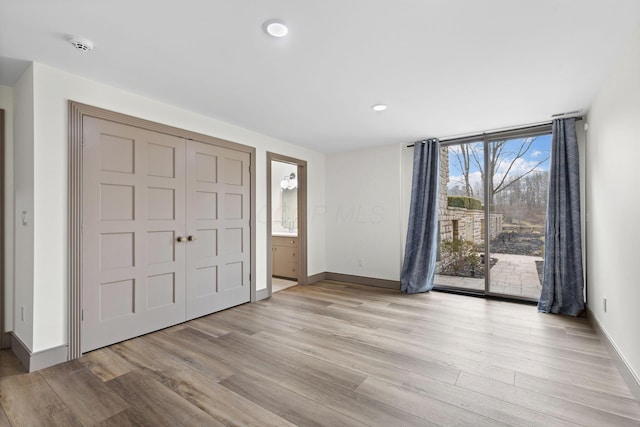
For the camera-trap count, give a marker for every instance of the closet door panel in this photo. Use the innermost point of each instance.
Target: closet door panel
(133, 213)
(218, 206)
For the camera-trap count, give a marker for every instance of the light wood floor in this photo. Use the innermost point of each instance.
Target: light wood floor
(278, 284)
(337, 355)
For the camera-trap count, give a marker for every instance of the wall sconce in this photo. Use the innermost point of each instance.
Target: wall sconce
(289, 182)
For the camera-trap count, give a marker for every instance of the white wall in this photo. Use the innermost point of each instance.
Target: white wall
(582, 151)
(364, 203)
(6, 104)
(23, 144)
(613, 204)
(52, 89)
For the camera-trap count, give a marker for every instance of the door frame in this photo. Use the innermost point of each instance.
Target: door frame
(77, 111)
(5, 340)
(302, 216)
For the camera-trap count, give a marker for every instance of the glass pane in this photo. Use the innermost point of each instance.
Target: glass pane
(517, 198)
(461, 218)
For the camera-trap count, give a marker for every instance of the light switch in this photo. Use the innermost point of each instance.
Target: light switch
(25, 218)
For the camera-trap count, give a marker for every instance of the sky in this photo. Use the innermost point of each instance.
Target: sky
(537, 157)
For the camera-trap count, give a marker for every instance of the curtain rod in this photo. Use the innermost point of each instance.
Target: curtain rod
(509, 129)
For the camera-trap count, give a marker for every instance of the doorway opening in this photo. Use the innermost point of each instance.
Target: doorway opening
(493, 196)
(286, 222)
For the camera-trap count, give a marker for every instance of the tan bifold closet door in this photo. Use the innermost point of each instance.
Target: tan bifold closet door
(133, 266)
(218, 260)
(165, 231)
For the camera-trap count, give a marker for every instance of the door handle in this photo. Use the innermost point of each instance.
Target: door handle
(181, 239)
(192, 238)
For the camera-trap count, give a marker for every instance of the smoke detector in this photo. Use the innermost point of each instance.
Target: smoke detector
(81, 43)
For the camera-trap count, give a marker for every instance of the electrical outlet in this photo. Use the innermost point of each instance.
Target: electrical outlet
(361, 263)
(604, 304)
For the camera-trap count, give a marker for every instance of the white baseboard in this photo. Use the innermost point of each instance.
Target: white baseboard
(40, 359)
(627, 373)
(262, 294)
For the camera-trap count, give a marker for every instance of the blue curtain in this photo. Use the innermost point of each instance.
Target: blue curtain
(419, 266)
(562, 284)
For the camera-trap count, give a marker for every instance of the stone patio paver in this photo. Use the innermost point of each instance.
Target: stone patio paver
(511, 275)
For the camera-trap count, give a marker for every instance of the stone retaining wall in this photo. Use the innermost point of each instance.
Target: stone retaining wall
(461, 223)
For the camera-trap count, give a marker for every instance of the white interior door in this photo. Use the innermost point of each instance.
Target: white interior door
(218, 210)
(133, 213)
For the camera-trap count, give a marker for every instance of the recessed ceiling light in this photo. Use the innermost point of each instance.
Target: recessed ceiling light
(80, 43)
(379, 107)
(275, 28)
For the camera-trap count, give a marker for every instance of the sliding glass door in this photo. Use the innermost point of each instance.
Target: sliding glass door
(461, 217)
(493, 195)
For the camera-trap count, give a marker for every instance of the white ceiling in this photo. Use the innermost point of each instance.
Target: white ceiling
(444, 67)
